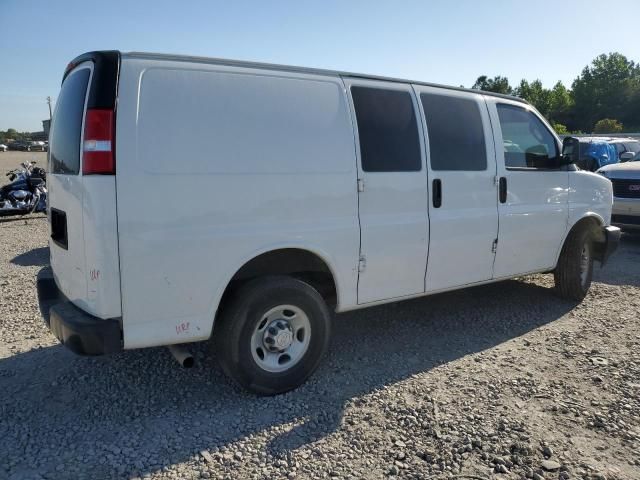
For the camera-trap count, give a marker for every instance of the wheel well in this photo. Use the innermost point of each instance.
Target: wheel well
(295, 262)
(593, 224)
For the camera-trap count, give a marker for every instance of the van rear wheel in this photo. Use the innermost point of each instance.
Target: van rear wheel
(575, 266)
(272, 334)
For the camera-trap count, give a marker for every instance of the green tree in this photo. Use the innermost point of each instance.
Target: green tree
(536, 95)
(560, 102)
(560, 129)
(497, 84)
(607, 125)
(604, 88)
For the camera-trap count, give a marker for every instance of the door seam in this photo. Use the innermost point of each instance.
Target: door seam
(495, 162)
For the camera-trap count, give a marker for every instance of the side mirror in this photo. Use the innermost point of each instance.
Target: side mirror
(570, 151)
(626, 156)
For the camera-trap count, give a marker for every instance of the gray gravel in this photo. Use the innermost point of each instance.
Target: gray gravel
(501, 381)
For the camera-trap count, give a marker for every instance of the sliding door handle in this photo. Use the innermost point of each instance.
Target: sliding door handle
(503, 189)
(437, 193)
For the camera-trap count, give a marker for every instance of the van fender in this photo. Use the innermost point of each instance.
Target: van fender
(314, 249)
(576, 221)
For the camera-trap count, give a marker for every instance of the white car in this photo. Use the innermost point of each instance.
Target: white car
(303, 192)
(3, 147)
(625, 178)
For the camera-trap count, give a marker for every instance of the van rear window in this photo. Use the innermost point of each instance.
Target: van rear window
(66, 128)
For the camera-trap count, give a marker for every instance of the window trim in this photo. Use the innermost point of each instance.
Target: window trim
(542, 120)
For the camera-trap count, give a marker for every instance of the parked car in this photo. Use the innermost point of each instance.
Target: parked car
(306, 191)
(17, 145)
(37, 146)
(625, 178)
(3, 147)
(627, 148)
(28, 146)
(596, 152)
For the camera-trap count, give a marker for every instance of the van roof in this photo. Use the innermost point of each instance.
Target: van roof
(290, 68)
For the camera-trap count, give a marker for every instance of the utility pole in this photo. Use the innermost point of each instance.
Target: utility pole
(49, 103)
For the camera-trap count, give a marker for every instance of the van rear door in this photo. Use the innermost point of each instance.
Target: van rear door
(64, 183)
(81, 183)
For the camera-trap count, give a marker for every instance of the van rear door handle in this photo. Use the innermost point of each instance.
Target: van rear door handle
(437, 193)
(503, 189)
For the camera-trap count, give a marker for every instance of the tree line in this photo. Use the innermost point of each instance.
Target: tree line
(13, 134)
(604, 98)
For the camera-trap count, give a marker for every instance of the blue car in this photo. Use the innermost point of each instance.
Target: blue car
(596, 153)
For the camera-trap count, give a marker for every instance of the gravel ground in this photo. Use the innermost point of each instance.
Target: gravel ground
(501, 381)
(12, 159)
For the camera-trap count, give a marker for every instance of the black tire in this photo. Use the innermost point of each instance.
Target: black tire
(572, 277)
(241, 315)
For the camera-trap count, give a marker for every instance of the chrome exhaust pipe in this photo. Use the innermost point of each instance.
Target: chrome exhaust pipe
(182, 355)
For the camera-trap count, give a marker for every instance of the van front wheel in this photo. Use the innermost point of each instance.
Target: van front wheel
(575, 266)
(272, 334)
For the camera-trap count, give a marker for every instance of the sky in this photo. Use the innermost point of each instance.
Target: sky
(449, 42)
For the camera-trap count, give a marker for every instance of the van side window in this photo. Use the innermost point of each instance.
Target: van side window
(527, 142)
(456, 136)
(387, 129)
(67, 124)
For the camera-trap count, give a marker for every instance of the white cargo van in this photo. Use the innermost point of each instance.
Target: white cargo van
(194, 199)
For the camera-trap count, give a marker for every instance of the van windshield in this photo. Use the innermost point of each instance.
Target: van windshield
(66, 128)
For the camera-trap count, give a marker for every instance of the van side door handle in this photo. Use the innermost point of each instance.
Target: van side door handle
(437, 193)
(503, 189)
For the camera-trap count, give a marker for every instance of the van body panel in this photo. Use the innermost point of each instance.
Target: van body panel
(590, 195)
(464, 227)
(215, 166)
(393, 219)
(534, 217)
(99, 220)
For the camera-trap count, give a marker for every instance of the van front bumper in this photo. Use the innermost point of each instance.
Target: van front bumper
(79, 331)
(611, 243)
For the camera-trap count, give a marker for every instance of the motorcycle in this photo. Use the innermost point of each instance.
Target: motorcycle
(27, 192)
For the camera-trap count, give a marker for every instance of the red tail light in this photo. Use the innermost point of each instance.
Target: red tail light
(99, 144)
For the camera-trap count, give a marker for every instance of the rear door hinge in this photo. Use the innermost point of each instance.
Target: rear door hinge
(362, 264)
(360, 185)
(494, 246)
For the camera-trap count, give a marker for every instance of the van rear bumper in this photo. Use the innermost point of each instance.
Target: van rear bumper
(80, 332)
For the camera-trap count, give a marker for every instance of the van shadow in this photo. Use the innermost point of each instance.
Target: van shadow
(37, 257)
(137, 412)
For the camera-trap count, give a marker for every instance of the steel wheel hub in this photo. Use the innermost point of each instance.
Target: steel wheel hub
(281, 338)
(278, 336)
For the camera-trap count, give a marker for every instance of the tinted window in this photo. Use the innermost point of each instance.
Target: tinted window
(456, 137)
(387, 129)
(66, 127)
(527, 142)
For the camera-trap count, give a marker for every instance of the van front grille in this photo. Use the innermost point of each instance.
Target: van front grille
(626, 188)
